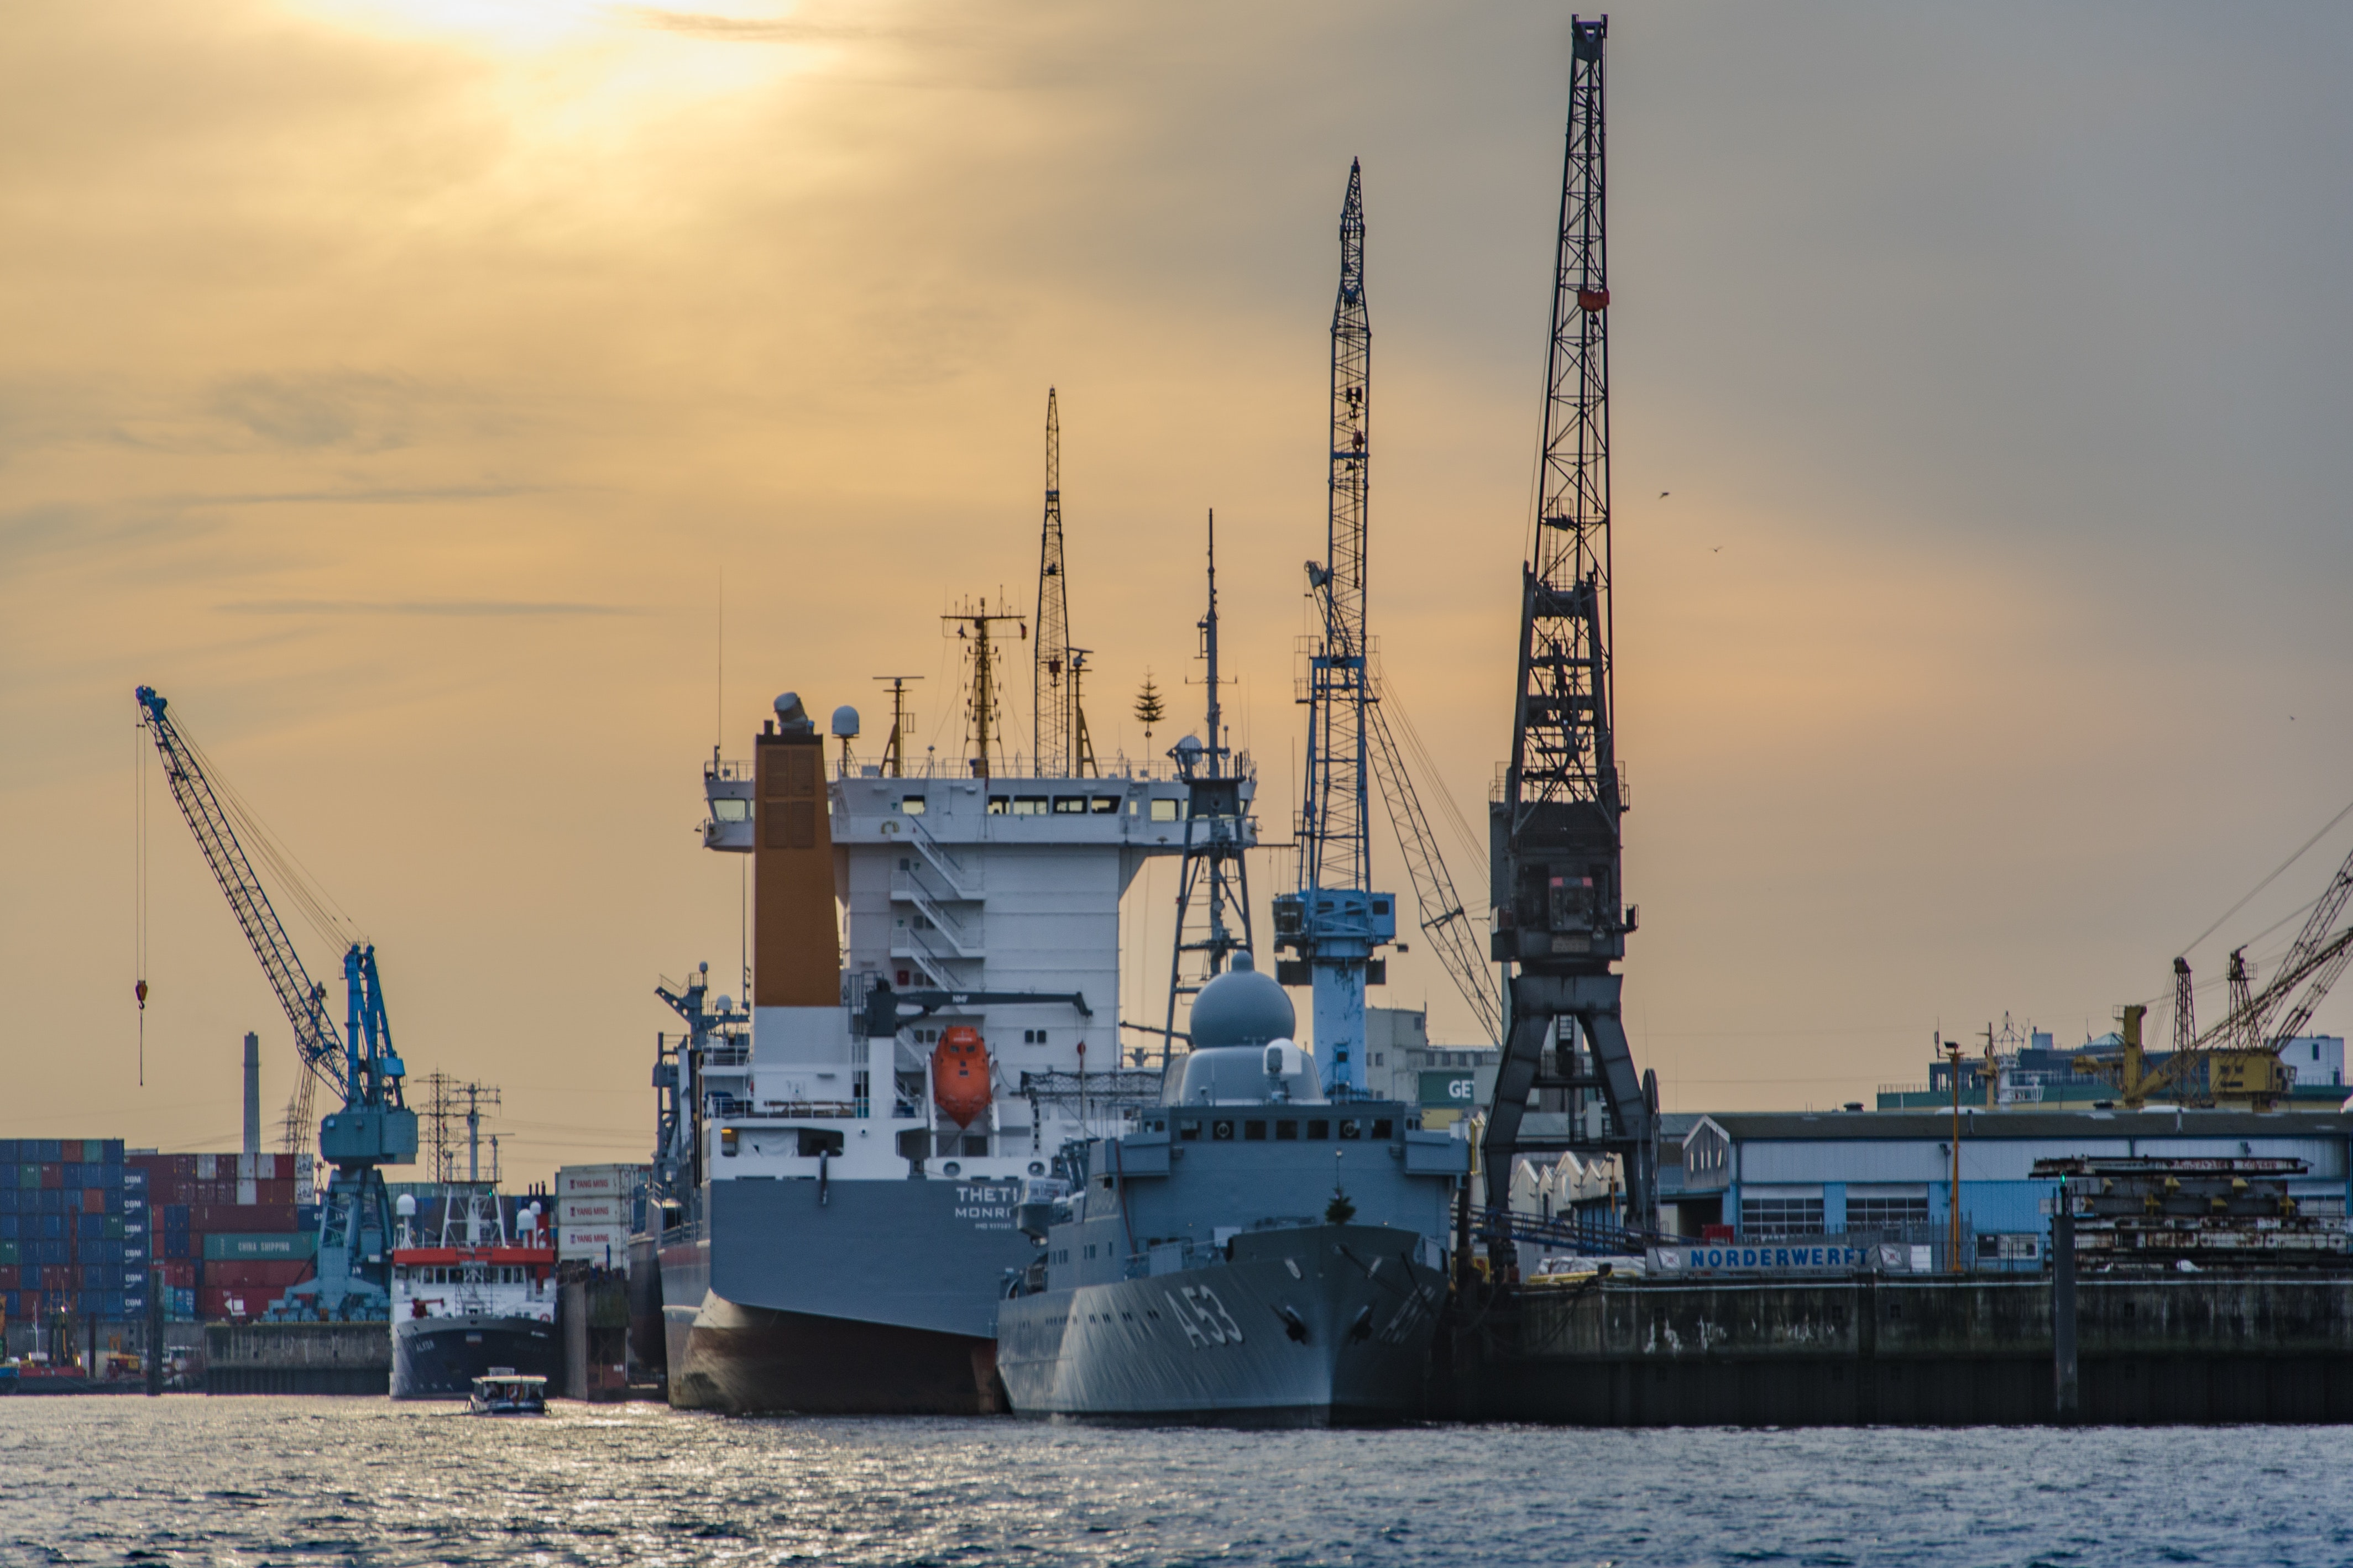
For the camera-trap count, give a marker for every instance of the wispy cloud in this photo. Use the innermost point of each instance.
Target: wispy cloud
(726, 29)
(462, 608)
(371, 496)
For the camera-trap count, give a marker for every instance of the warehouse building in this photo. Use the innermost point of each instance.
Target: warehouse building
(1750, 1176)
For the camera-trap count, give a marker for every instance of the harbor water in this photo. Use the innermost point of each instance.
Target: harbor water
(187, 1479)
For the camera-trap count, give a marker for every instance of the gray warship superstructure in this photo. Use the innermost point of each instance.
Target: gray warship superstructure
(1250, 1253)
(837, 1222)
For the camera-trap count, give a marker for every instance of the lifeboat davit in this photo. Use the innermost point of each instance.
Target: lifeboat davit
(960, 1075)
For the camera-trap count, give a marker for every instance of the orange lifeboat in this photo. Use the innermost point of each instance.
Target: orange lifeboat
(960, 1075)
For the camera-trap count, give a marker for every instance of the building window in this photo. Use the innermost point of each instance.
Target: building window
(1886, 1213)
(1763, 1216)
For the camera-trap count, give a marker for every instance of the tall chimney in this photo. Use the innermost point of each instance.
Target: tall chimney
(796, 941)
(252, 1093)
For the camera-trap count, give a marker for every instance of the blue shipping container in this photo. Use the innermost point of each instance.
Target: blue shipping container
(177, 1244)
(7, 1197)
(135, 1178)
(7, 1227)
(175, 1216)
(7, 1150)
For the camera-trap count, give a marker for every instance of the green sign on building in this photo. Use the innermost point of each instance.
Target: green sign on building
(1460, 1090)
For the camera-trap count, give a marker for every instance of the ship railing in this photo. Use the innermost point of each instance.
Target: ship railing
(836, 1109)
(965, 944)
(911, 946)
(1119, 765)
(963, 883)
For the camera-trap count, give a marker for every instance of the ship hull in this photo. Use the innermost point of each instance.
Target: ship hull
(439, 1358)
(749, 1360)
(840, 1298)
(1309, 1326)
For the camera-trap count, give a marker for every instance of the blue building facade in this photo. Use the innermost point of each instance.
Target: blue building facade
(1775, 1175)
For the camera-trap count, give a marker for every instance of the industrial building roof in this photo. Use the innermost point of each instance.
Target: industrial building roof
(1980, 1122)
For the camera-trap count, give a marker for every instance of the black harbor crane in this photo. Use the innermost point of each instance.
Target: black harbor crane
(1560, 922)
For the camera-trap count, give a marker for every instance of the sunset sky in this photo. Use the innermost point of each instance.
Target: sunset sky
(402, 386)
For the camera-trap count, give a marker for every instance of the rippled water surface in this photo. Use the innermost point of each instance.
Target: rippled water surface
(256, 1480)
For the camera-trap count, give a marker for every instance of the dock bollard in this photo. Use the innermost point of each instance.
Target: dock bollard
(2062, 1306)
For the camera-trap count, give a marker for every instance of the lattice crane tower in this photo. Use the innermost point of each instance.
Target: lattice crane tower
(1561, 923)
(1333, 922)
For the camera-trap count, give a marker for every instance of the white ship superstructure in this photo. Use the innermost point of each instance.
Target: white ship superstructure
(842, 1226)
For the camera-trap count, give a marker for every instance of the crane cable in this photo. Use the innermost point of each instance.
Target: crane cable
(2267, 881)
(139, 886)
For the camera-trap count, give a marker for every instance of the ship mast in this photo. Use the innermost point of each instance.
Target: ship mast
(1055, 722)
(984, 714)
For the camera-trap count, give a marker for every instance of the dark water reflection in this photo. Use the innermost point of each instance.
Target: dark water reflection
(285, 1481)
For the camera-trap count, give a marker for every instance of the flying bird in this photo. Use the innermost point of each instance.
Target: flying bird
(1663, 495)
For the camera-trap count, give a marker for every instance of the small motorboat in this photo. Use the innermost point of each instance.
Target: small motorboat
(501, 1392)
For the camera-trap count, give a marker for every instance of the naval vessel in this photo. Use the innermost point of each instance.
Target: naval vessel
(1251, 1252)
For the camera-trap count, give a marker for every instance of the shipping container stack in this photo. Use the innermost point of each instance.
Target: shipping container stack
(596, 1207)
(71, 1245)
(231, 1232)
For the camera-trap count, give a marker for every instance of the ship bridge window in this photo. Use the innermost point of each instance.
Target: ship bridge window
(1188, 1132)
(1028, 805)
(1070, 806)
(1000, 805)
(1286, 1131)
(731, 808)
(1384, 1128)
(912, 805)
(1352, 1130)
(1318, 1130)
(1166, 808)
(1103, 804)
(1254, 1131)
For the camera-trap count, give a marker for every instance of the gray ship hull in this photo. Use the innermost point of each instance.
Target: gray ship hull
(439, 1358)
(842, 1298)
(1306, 1326)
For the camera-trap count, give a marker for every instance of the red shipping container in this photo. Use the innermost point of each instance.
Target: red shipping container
(8, 1272)
(215, 1304)
(204, 1219)
(53, 1175)
(70, 1151)
(272, 1274)
(93, 1200)
(275, 1191)
(180, 1273)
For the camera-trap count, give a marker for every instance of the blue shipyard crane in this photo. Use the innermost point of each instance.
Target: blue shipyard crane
(373, 1127)
(1333, 923)
(1559, 920)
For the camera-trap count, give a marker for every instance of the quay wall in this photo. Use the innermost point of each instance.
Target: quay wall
(1870, 1350)
(298, 1358)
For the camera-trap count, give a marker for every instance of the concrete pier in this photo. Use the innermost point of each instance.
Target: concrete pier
(1879, 1351)
(298, 1358)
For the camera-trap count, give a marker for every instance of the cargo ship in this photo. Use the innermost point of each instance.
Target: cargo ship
(839, 1156)
(469, 1301)
(1250, 1254)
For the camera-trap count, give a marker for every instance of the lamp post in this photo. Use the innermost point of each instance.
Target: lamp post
(1953, 1240)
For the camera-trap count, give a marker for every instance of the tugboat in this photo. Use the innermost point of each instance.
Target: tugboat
(471, 1304)
(1252, 1253)
(503, 1392)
